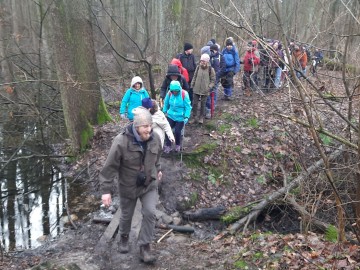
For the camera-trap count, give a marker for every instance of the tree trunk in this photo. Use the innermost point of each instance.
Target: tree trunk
(76, 69)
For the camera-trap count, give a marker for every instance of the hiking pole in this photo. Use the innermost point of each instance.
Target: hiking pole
(212, 106)
(182, 144)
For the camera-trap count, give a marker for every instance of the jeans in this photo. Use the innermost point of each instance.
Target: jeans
(277, 77)
(298, 74)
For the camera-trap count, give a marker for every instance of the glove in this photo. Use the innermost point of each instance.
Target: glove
(123, 116)
(186, 120)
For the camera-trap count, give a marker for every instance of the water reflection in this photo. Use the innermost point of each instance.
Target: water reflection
(32, 188)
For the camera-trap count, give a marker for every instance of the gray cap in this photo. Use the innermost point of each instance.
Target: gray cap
(142, 117)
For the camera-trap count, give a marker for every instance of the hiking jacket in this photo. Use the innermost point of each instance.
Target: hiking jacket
(203, 81)
(124, 162)
(188, 62)
(182, 70)
(132, 98)
(299, 58)
(176, 107)
(172, 70)
(251, 61)
(232, 61)
(161, 126)
(217, 62)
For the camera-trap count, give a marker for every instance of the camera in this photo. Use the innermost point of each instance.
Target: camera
(141, 179)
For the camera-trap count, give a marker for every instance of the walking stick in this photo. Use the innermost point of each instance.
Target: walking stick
(181, 148)
(212, 106)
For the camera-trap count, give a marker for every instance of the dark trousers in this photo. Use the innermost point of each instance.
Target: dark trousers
(178, 128)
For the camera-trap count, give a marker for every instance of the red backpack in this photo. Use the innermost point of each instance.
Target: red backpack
(183, 92)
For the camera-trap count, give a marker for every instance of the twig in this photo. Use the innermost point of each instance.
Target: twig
(162, 237)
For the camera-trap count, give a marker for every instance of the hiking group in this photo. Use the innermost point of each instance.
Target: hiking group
(189, 91)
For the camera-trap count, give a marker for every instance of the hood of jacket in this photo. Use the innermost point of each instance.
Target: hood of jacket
(177, 62)
(136, 79)
(173, 70)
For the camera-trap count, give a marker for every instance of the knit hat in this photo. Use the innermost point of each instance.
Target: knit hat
(175, 86)
(205, 57)
(147, 103)
(229, 42)
(214, 47)
(187, 46)
(142, 117)
(213, 40)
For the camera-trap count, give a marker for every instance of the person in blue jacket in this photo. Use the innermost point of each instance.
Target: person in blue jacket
(177, 108)
(133, 98)
(232, 66)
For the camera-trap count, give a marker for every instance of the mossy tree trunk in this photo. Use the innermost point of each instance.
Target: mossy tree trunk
(76, 69)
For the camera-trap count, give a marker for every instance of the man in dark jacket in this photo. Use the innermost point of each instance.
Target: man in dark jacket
(134, 160)
(172, 74)
(218, 63)
(188, 61)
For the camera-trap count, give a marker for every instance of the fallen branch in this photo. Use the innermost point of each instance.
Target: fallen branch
(276, 195)
(182, 229)
(205, 214)
(307, 217)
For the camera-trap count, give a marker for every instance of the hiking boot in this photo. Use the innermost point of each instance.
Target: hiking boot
(124, 243)
(193, 121)
(177, 148)
(167, 149)
(208, 114)
(146, 255)
(201, 120)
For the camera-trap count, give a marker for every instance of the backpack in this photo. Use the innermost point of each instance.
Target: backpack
(182, 94)
(212, 59)
(229, 59)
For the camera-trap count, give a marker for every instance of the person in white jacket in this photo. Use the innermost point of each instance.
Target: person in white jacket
(160, 123)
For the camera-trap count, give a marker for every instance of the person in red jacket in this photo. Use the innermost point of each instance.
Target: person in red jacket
(251, 63)
(183, 71)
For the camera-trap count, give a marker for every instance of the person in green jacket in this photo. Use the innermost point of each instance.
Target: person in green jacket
(132, 98)
(134, 162)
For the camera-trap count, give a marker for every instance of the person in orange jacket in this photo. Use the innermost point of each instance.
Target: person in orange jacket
(299, 59)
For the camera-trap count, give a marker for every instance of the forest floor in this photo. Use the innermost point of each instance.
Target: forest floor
(235, 159)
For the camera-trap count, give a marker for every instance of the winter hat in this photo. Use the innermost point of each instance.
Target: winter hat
(214, 47)
(213, 40)
(187, 46)
(142, 117)
(229, 42)
(175, 86)
(147, 103)
(205, 57)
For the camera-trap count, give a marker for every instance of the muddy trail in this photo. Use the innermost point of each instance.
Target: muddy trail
(234, 159)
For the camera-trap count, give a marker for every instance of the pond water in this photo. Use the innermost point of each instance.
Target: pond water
(33, 189)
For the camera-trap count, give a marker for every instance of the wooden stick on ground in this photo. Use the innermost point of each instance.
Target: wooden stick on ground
(162, 237)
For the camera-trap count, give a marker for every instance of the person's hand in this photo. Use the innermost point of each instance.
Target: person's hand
(186, 120)
(106, 199)
(172, 140)
(160, 175)
(123, 116)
